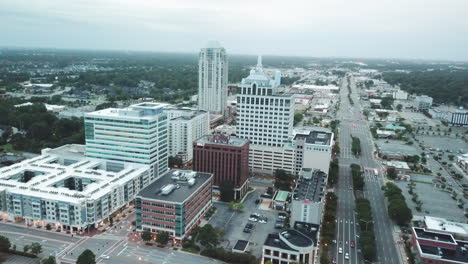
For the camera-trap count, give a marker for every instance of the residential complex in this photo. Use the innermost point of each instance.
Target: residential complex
(458, 118)
(174, 203)
(136, 134)
(227, 158)
(185, 126)
(212, 78)
(64, 188)
(294, 245)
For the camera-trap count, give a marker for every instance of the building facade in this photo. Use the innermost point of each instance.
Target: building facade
(308, 197)
(137, 134)
(174, 203)
(422, 103)
(295, 245)
(185, 126)
(265, 116)
(313, 150)
(212, 78)
(227, 158)
(67, 190)
(458, 118)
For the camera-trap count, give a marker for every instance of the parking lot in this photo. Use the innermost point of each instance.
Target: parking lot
(436, 202)
(234, 223)
(453, 145)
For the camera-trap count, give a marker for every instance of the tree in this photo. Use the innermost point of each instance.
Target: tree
(48, 226)
(399, 107)
(356, 145)
(283, 180)
(26, 248)
(162, 238)
(298, 117)
(4, 244)
(207, 236)
(226, 190)
(36, 248)
(87, 257)
(175, 162)
(49, 260)
(399, 211)
(146, 236)
(391, 173)
(336, 148)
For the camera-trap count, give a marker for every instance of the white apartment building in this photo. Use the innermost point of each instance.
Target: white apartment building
(137, 134)
(422, 102)
(67, 190)
(266, 159)
(212, 78)
(186, 126)
(400, 95)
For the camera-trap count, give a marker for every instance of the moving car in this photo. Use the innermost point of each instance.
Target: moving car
(346, 256)
(340, 250)
(352, 244)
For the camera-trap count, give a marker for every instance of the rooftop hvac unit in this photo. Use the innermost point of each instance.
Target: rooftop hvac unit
(167, 189)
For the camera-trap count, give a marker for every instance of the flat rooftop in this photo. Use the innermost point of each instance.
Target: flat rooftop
(48, 172)
(309, 187)
(421, 233)
(457, 255)
(136, 111)
(308, 229)
(296, 238)
(175, 186)
(315, 137)
(441, 224)
(241, 245)
(273, 240)
(222, 140)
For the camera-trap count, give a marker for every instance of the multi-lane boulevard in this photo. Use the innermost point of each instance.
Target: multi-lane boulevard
(353, 123)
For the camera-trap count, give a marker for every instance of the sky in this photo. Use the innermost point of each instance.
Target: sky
(411, 29)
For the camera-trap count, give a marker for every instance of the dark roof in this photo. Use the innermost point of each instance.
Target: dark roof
(273, 240)
(296, 238)
(316, 137)
(308, 229)
(310, 189)
(460, 254)
(424, 234)
(177, 195)
(241, 245)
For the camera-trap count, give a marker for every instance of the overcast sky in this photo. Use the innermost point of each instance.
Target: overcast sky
(423, 29)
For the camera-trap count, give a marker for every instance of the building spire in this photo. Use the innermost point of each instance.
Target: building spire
(259, 62)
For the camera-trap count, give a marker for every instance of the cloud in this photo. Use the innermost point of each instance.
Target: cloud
(296, 27)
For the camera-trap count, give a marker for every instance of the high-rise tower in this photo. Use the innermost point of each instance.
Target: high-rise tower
(212, 78)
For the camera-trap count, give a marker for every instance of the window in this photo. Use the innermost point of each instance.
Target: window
(267, 252)
(276, 253)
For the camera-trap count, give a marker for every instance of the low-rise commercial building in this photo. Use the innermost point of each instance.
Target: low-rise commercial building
(67, 190)
(295, 245)
(174, 203)
(422, 103)
(438, 247)
(438, 224)
(227, 158)
(458, 118)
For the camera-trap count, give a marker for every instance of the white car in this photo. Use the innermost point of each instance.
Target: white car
(105, 257)
(253, 219)
(340, 250)
(346, 256)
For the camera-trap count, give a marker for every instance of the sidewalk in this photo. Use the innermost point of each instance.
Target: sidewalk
(400, 246)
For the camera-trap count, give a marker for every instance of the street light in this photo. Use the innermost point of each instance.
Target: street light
(367, 222)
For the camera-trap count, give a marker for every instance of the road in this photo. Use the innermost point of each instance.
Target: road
(352, 122)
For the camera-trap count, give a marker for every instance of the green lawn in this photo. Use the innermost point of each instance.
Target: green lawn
(9, 148)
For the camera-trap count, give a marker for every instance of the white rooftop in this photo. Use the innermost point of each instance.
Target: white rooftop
(50, 169)
(139, 111)
(441, 224)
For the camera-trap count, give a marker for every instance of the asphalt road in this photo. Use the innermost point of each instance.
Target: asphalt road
(352, 122)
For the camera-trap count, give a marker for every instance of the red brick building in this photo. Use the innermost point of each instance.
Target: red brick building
(227, 158)
(438, 248)
(174, 203)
